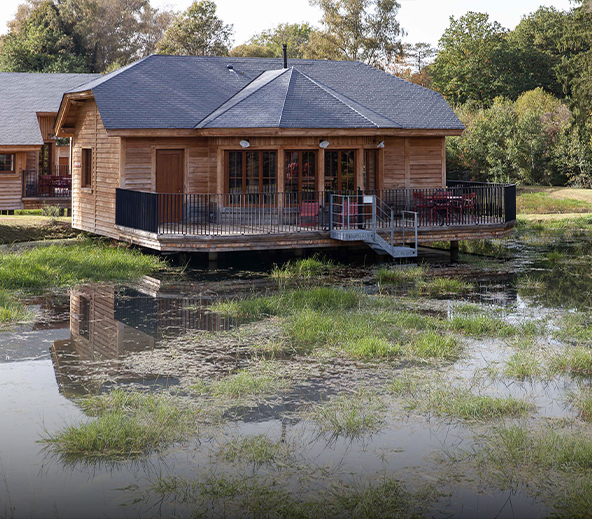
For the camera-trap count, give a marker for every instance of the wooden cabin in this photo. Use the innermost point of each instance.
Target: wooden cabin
(212, 154)
(34, 167)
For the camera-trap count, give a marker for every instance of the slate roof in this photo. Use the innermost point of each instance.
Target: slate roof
(182, 92)
(22, 95)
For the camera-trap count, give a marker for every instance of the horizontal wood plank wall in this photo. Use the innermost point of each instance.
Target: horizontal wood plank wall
(425, 162)
(11, 184)
(201, 163)
(394, 163)
(94, 208)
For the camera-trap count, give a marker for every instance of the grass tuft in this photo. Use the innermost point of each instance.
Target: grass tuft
(400, 276)
(314, 266)
(576, 360)
(128, 424)
(523, 365)
(11, 310)
(443, 287)
(243, 383)
(350, 416)
(258, 450)
(61, 265)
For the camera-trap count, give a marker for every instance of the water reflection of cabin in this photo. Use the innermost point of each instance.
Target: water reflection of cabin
(34, 169)
(219, 154)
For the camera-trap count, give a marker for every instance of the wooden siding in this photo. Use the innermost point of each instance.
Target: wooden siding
(93, 209)
(140, 167)
(11, 184)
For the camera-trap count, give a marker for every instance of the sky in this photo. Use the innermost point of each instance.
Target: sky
(424, 20)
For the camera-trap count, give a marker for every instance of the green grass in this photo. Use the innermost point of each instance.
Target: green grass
(543, 203)
(314, 266)
(244, 383)
(576, 360)
(581, 400)
(575, 328)
(461, 403)
(523, 365)
(128, 424)
(443, 287)
(35, 228)
(481, 326)
(11, 310)
(351, 416)
(257, 450)
(545, 448)
(400, 276)
(357, 334)
(433, 345)
(88, 260)
(287, 302)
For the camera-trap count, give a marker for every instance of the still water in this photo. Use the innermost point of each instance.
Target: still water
(81, 343)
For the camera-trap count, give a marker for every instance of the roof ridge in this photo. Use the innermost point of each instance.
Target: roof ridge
(285, 97)
(210, 117)
(338, 95)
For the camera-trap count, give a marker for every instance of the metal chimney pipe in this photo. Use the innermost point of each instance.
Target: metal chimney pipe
(285, 54)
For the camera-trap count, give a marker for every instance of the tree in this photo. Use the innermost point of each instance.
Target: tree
(39, 41)
(470, 58)
(268, 44)
(419, 55)
(364, 30)
(197, 32)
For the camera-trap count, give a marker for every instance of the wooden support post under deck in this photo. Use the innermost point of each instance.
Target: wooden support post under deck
(454, 251)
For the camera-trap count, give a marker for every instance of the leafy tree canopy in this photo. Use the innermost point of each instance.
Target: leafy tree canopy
(364, 30)
(40, 41)
(197, 32)
(268, 44)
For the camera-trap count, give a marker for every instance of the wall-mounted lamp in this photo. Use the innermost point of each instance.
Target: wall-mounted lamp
(245, 143)
(380, 144)
(324, 144)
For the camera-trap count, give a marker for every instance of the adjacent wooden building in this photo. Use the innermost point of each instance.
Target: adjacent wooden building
(34, 168)
(213, 154)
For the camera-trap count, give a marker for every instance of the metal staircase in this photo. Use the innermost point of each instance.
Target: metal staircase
(363, 217)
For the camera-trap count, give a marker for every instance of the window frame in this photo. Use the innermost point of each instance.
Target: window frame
(339, 170)
(86, 168)
(11, 171)
(260, 175)
(287, 154)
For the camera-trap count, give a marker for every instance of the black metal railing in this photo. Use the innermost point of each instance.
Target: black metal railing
(276, 213)
(56, 183)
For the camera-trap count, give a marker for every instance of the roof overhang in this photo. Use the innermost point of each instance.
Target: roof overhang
(68, 113)
(283, 132)
(13, 148)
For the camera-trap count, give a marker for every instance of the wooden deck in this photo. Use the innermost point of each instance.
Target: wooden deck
(298, 237)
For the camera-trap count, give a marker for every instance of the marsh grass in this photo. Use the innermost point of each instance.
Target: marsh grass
(575, 360)
(349, 416)
(442, 287)
(287, 302)
(462, 403)
(127, 425)
(544, 203)
(581, 401)
(257, 450)
(388, 498)
(262, 380)
(523, 365)
(575, 328)
(433, 345)
(539, 449)
(400, 276)
(358, 334)
(11, 310)
(315, 266)
(60, 265)
(488, 326)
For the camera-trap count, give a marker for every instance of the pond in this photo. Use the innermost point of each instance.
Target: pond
(269, 423)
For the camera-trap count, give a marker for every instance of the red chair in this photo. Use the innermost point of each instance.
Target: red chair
(469, 205)
(424, 206)
(309, 214)
(442, 206)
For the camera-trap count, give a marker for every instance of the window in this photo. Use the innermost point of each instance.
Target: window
(340, 170)
(370, 170)
(7, 163)
(84, 317)
(250, 172)
(86, 171)
(300, 171)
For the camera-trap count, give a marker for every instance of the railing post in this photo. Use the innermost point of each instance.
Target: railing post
(393, 228)
(510, 202)
(330, 212)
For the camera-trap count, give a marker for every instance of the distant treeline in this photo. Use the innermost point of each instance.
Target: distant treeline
(524, 95)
